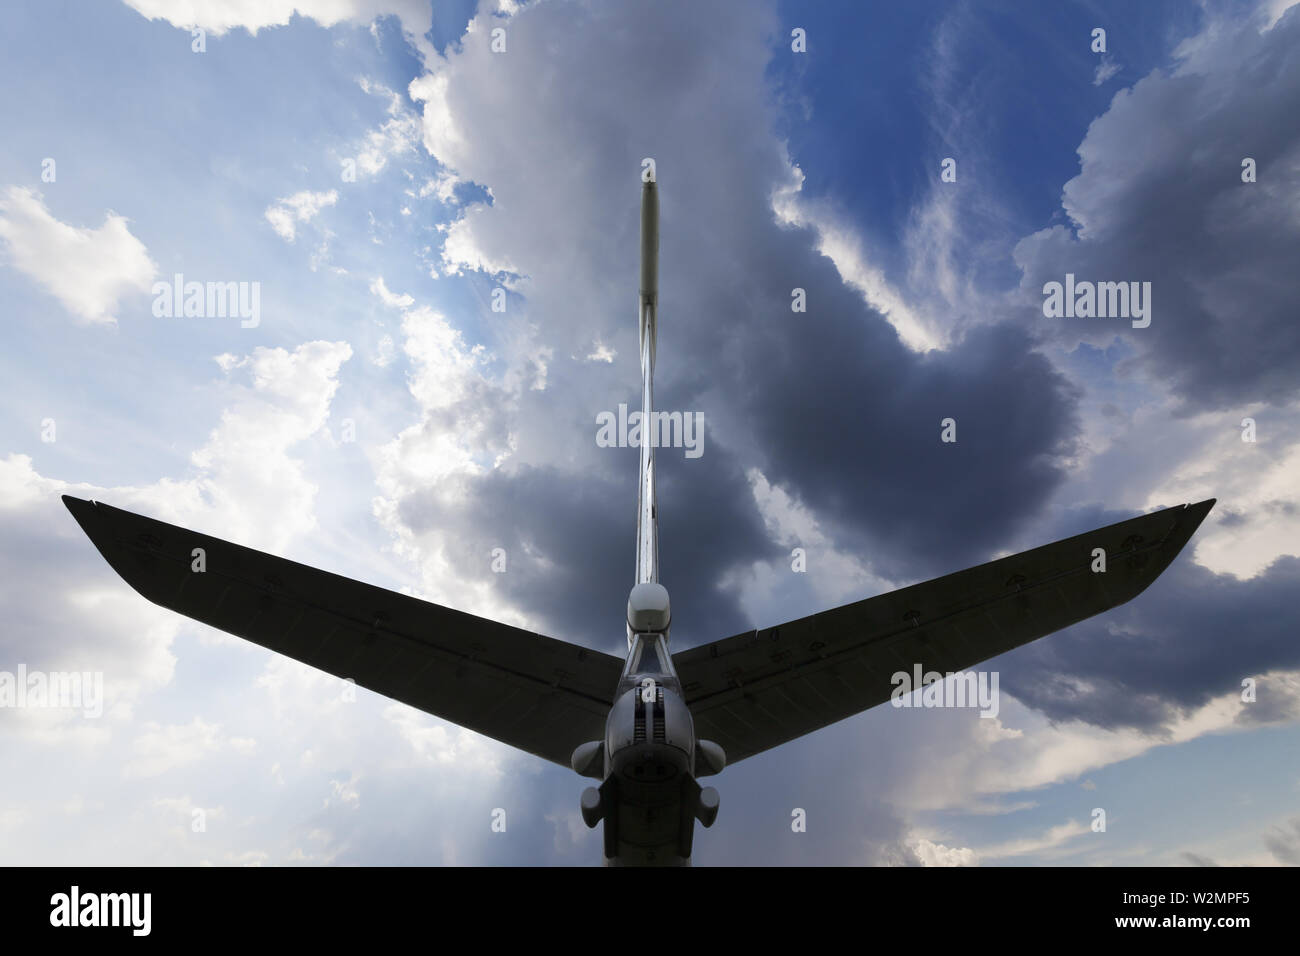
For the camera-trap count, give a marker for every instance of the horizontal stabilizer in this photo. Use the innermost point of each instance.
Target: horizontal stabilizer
(532, 692)
(756, 690)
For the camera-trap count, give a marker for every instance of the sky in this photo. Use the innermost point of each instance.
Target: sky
(431, 211)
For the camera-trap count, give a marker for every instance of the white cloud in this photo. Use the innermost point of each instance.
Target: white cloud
(345, 792)
(956, 228)
(970, 757)
(284, 214)
(1053, 839)
(1106, 69)
(442, 137)
(160, 749)
(249, 475)
(439, 743)
(1272, 11)
(399, 134)
(443, 186)
(458, 430)
(220, 16)
(390, 299)
(1148, 456)
(844, 246)
(1258, 517)
(446, 368)
(770, 590)
(88, 270)
(246, 487)
(465, 248)
(936, 854)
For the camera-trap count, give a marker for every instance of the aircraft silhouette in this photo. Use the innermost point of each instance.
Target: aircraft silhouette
(649, 726)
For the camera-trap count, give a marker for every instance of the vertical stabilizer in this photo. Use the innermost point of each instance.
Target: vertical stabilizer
(647, 535)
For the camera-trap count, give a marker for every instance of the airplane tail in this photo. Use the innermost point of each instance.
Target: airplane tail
(647, 538)
(647, 606)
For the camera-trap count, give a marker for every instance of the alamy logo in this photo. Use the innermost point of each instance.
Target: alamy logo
(1100, 300)
(954, 689)
(667, 430)
(71, 689)
(208, 300)
(103, 909)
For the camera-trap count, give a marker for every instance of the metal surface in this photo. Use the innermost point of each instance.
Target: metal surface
(647, 535)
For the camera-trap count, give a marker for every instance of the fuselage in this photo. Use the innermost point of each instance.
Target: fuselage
(648, 799)
(650, 760)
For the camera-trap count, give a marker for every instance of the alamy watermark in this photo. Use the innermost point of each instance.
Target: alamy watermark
(177, 299)
(73, 690)
(130, 910)
(1098, 300)
(954, 689)
(667, 430)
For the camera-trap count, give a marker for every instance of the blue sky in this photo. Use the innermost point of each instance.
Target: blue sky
(382, 421)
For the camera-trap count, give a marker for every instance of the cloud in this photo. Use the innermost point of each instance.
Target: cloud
(246, 487)
(1053, 839)
(1190, 638)
(807, 398)
(88, 270)
(390, 299)
(768, 589)
(840, 243)
(1279, 845)
(443, 186)
(399, 134)
(1160, 199)
(1284, 842)
(1254, 480)
(1272, 10)
(936, 854)
(284, 214)
(960, 766)
(220, 16)
(822, 428)
(1106, 69)
(159, 749)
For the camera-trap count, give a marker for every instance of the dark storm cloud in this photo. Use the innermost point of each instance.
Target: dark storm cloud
(828, 402)
(570, 544)
(1191, 636)
(1160, 199)
(851, 422)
